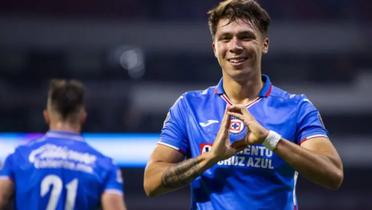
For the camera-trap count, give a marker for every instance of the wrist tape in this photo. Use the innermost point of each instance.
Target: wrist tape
(272, 140)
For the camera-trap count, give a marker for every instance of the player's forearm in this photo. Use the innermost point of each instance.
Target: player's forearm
(184, 172)
(164, 177)
(321, 169)
(111, 201)
(6, 191)
(4, 199)
(3, 202)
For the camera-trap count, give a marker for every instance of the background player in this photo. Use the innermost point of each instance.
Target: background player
(60, 170)
(285, 132)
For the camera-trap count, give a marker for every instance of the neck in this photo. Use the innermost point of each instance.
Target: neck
(243, 92)
(65, 126)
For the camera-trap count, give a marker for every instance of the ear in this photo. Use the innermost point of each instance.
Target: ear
(214, 49)
(266, 43)
(83, 116)
(46, 116)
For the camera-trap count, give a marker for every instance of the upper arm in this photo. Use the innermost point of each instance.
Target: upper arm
(113, 201)
(309, 122)
(170, 150)
(6, 180)
(162, 158)
(6, 191)
(323, 146)
(174, 133)
(112, 197)
(165, 154)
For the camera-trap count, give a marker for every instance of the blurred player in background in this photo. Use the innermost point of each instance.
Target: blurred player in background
(244, 140)
(60, 171)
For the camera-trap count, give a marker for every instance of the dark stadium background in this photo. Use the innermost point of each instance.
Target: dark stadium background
(137, 56)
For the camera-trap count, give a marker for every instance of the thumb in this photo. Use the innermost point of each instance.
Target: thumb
(226, 119)
(247, 114)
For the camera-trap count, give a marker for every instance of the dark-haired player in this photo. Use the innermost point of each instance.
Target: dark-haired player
(60, 171)
(200, 143)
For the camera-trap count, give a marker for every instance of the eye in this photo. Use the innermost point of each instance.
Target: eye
(224, 38)
(247, 37)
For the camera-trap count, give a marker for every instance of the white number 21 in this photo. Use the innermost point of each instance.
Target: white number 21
(56, 183)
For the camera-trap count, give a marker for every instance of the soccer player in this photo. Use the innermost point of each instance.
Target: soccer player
(242, 142)
(60, 171)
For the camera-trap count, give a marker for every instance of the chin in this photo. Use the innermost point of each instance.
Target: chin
(239, 74)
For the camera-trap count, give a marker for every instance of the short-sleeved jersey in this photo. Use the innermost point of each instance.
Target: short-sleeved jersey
(255, 178)
(60, 171)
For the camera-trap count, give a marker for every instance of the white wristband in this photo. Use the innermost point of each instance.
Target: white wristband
(272, 140)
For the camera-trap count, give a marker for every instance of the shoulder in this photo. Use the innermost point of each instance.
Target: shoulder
(21, 152)
(283, 97)
(102, 160)
(86, 147)
(29, 146)
(196, 96)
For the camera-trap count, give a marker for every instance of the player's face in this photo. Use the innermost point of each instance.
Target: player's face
(238, 47)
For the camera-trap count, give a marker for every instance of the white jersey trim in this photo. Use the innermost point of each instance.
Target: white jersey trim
(114, 191)
(227, 100)
(64, 136)
(169, 145)
(5, 178)
(317, 135)
(313, 136)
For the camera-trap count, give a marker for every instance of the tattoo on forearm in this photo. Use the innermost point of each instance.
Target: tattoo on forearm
(181, 174)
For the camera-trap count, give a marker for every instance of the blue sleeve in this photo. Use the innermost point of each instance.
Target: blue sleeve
(309, 121)
(114, 181)
(173, 133)
(7, 169)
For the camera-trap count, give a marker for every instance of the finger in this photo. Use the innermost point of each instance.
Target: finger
(240, 106)
(225, 124)
(237, 115)
(243, 117)
(240, 117)
(248, 114)
(239, 147)
(226, 119)
(224, 127)
(235, 108)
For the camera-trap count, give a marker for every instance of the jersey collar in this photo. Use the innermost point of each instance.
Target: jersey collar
(64, 135)
(264, 92)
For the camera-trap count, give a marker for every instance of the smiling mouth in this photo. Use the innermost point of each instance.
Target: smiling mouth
(237, 60)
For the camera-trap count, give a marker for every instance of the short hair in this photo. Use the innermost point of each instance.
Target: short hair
(66, 97)
(248, 10)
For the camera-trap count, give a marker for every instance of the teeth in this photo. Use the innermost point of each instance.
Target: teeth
(236, 60)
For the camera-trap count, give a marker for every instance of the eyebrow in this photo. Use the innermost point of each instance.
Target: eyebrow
(249, 32)
(240, 33)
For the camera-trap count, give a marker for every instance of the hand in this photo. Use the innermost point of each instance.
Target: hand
(256, 132)
(222, 148)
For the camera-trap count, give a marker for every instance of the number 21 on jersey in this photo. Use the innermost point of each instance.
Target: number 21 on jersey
(54, 184)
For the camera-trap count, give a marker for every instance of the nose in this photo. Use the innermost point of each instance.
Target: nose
(235, 45)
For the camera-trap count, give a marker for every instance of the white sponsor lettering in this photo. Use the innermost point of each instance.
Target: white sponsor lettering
(243, 161)
(254, 150)
(252, 156)
(53, 156)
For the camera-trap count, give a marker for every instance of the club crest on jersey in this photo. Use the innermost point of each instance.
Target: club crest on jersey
(205, 148)
(236, 126)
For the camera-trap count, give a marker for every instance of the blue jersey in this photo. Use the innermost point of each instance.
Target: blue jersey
(255, 178)
(60, 171)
